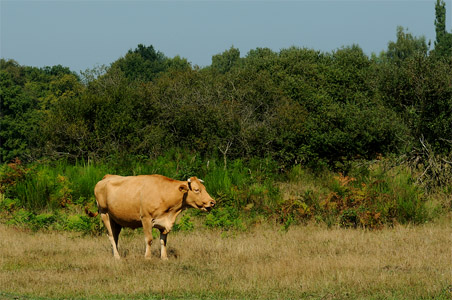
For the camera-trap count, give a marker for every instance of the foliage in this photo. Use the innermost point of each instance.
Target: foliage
(145, 63)
(295, 105)
(44, 220)
(225, 61)
(54, 196)
(12, 173)
(184, 224)
(225, 218)
(406, 46)
(54, 221)
(58, 191)
(26, 94)
(371, 196)
(81, 223)
(419, 89)
(376, 201)
(443, 42)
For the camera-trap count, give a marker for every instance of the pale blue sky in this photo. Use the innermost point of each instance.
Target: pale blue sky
(82, 34)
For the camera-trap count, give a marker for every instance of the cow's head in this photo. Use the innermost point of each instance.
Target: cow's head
(196, 194)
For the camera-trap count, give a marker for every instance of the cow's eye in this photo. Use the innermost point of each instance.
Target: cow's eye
(196, 190)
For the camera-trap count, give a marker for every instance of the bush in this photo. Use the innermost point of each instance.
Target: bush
(44, 221)
(225, 218)
(383, 197)
(21, 217)
(81, 223)
(185, 224)
(371, 195)
(10, 175)
(8, 204)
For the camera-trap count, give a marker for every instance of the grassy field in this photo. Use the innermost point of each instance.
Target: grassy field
(310, 261)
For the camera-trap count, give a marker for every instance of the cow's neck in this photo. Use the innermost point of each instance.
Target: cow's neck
(184, 201)
(178, 206)
(166, 220)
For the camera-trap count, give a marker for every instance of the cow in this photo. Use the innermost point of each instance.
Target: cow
(147, 201)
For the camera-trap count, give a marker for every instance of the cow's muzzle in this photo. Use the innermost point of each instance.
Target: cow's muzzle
(211, 205)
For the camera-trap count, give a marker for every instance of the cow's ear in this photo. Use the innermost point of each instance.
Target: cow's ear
(183, 188)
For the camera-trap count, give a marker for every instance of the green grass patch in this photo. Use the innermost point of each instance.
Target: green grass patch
(53, 195)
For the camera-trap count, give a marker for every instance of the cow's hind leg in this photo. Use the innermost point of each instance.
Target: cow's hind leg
(147, 229)
(113, 230)
(116, 230)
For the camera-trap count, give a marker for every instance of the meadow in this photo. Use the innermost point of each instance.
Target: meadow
(263, 262)
(380, 232)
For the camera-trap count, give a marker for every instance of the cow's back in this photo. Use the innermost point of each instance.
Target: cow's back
(120, 197)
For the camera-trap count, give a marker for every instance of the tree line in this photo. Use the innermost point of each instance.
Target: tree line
(296, 105)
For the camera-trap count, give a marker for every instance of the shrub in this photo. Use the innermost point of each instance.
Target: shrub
(185, 224)
(81, 223)
(224, 217)
(10, 175)
(8, 204)
(372, 195)
(43, 221)
(21, 217)
(383, 197)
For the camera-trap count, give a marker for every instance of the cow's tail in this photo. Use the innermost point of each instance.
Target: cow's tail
(87, 211)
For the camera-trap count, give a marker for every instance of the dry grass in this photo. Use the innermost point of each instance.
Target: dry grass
(306, 262)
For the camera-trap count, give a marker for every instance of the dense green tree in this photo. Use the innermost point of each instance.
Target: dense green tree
(406, 46)
(107, 120)
(145, 63)
(443, 42)
(418, 87)
(397, 80)
(14, 111)
(27, 93)
(58, 70)
(225, 61)
(297, 105)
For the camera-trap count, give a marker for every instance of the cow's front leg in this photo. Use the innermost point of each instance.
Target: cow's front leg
(147, 229)
(163, 254)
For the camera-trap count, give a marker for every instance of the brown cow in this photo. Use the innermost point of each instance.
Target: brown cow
(147, 201)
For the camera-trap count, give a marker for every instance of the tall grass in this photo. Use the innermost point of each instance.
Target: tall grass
(84, 177)
(372, 196)
(56, 184)
(34, 193)
(307, 262)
